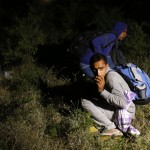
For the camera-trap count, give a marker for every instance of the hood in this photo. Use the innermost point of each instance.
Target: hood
(119, 27)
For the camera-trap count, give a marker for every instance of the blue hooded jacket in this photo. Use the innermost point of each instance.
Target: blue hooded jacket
(119, 27)
(101, 44)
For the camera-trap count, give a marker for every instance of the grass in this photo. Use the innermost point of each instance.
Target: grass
(40, 110)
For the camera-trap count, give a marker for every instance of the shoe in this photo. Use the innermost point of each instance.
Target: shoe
(135, 132)
(112, 132)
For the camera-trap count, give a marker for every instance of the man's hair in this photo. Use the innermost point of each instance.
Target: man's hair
(97, 57)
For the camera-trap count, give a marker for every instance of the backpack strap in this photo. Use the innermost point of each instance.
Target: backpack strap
(106, 37)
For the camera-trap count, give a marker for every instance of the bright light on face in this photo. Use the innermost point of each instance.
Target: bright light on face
(100, 68)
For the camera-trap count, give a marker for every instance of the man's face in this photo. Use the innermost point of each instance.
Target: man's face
(123, 35)
(99, 68)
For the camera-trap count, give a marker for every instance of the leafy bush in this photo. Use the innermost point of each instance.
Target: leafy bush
(23, 40)
(136, 46)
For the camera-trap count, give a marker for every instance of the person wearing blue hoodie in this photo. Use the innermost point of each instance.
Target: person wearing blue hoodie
(104, 44)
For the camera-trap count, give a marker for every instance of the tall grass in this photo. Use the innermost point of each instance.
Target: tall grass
(33, 116)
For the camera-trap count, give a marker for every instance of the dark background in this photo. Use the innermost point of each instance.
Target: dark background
(137, 10)
(134, 9)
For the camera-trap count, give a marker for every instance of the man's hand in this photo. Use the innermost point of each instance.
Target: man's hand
(100, 81)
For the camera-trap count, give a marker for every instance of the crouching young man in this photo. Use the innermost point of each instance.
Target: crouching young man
(114, 95)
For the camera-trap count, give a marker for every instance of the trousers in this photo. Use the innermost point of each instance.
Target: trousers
(102, 115)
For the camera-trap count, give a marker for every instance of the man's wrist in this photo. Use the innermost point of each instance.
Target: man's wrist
(101, 91)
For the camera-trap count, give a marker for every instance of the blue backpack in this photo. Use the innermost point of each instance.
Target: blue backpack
(138, 81)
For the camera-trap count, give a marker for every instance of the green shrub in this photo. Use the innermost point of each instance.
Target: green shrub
(136, 46)
(23, 40)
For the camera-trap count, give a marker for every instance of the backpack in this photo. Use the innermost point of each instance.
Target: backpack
(138, 81)
(82, 42)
